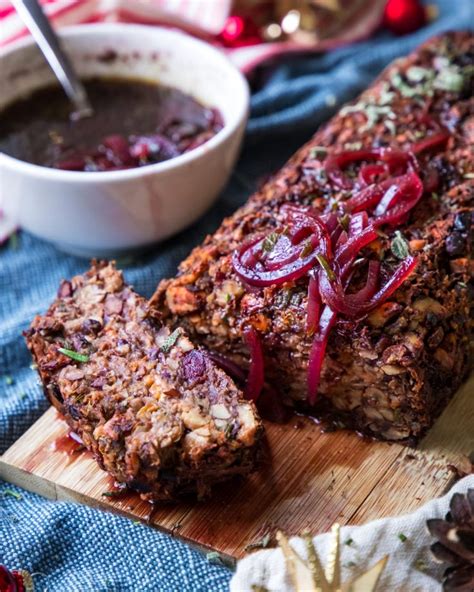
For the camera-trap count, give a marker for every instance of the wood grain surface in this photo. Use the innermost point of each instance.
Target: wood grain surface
(310, 479)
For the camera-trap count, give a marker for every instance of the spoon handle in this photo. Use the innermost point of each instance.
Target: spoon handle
(38, 24)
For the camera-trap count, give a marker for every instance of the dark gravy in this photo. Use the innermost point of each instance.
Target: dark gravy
(135, 123)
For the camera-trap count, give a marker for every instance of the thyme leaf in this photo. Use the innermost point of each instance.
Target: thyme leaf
(261, 544)
(450, 79)
(400, 247)
(344, 222)
(307, 249)
(270, 241)
(420, 565)
(318, 151)
(376, 108)
(325, 265)
(73, 354)
(112, 493)
(171, 340)
(215, 558)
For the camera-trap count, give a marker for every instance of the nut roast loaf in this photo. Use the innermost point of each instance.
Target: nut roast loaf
(388, 372)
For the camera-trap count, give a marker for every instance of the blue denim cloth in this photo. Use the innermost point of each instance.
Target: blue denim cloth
(77, 549)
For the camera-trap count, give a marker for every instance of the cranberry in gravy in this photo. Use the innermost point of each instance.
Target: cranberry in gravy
(135, 123)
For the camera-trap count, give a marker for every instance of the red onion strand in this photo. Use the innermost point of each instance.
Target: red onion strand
(314, 304)
(256, 375)
(318, 349)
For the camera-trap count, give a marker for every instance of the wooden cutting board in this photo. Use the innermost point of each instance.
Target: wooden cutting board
(310, 479)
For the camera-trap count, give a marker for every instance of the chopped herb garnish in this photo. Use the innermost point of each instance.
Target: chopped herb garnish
(325, 265)
(283, 298)
(33, 366)
(215, 558)
(376, 108)
(136, 523)
(318, 151)
(349, 542)
(112, 493)
(171, 340)
(420, 565)
(11, 493)
(307, 249)
(402, 537)
(344, 221)
(386, 96)
(449, 79)
(9, 380)
(73, 354)
(373, 112)
(418, 74)
(270, 241)
(391, 127)
(353, 145)
(261, 544)
(422, 82)
(435, 196)
(400, 247)
(229, 429)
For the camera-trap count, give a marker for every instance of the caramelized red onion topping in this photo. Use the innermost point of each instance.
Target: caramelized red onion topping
(283, 256)
(388, 162)
(326, 247)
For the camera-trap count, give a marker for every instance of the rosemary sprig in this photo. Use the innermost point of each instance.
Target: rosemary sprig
(73, 355)
(11, 493)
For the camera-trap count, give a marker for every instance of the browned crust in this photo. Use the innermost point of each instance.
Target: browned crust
(155, 411)
(389, 374)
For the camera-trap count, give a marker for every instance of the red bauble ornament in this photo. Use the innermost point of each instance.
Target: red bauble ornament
(239, 31)
(404, 16)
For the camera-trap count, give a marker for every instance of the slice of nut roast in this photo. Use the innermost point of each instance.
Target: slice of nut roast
(155, 411)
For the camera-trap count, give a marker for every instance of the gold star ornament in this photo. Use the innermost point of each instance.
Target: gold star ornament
(310, 576)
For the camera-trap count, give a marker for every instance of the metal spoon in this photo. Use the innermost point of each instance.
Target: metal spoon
(34, 18)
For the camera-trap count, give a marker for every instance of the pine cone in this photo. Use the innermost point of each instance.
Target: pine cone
(455, 544)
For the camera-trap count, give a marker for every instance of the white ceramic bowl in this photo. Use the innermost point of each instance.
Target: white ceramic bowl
(108, 213)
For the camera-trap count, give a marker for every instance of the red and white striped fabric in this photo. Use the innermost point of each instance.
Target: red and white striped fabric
(202, 18)
(206, 17)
